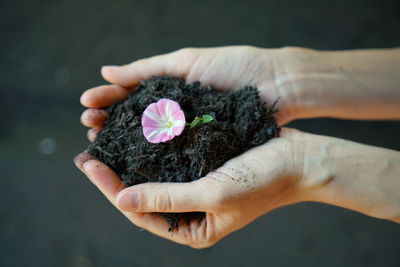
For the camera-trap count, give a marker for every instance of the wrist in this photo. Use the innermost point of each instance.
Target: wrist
(309, 80)
(351, 175)
(357, 84)
(308, 162)
(305, 163)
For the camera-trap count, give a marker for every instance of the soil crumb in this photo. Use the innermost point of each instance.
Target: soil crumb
(242, 121)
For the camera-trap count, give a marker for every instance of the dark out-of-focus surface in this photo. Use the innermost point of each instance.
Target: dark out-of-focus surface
(50, 51)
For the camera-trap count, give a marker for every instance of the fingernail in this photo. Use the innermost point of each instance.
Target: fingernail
(81, 158)
(128, 201)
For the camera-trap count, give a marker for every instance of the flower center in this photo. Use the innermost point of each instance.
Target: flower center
(168, 124)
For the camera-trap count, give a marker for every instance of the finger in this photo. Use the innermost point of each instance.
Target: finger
(194, 234)
(165, 197)
(104, 178)
(103, 96)
(177, 63)
(94, 118)
(92, 134)
(109, 184)
(81, 158)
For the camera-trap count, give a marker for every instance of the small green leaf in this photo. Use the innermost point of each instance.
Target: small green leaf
(196, 121)
(207, 118)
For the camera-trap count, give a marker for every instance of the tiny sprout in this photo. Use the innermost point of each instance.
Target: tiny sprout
(203, 119)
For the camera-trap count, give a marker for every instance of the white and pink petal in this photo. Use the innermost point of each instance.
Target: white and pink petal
(162, 121)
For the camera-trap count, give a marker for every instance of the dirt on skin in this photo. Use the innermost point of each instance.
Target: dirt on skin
(241, 122)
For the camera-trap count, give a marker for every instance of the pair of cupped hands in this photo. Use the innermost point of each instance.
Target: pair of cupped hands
(281, 172)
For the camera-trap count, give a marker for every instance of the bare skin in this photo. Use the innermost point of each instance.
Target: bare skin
(293, 168)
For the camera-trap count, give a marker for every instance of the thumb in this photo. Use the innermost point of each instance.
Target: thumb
(177, 63)
(164, 197)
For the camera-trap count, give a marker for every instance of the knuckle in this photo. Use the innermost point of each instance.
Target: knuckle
(186, 51)
(199, 236)
(162, 201)
(142, 200)
(211, 187)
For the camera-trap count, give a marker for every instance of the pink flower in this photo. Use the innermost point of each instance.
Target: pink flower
(162, 121)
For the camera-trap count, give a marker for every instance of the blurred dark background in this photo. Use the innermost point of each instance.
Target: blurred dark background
(50, 51)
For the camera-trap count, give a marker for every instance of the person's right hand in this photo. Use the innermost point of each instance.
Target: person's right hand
(227, 68)
(293, 168)
(262, 179)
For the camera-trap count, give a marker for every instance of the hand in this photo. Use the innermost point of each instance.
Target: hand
(225, 68)
(293, 168)
(261, 179)
(359, 84)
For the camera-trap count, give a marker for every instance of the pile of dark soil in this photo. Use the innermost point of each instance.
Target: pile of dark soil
(241, 121)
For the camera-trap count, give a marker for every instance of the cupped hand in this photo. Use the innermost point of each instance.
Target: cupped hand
(226, 68)
(244, 188)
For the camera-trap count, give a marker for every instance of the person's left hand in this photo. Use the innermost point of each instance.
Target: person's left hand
(227, 68)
